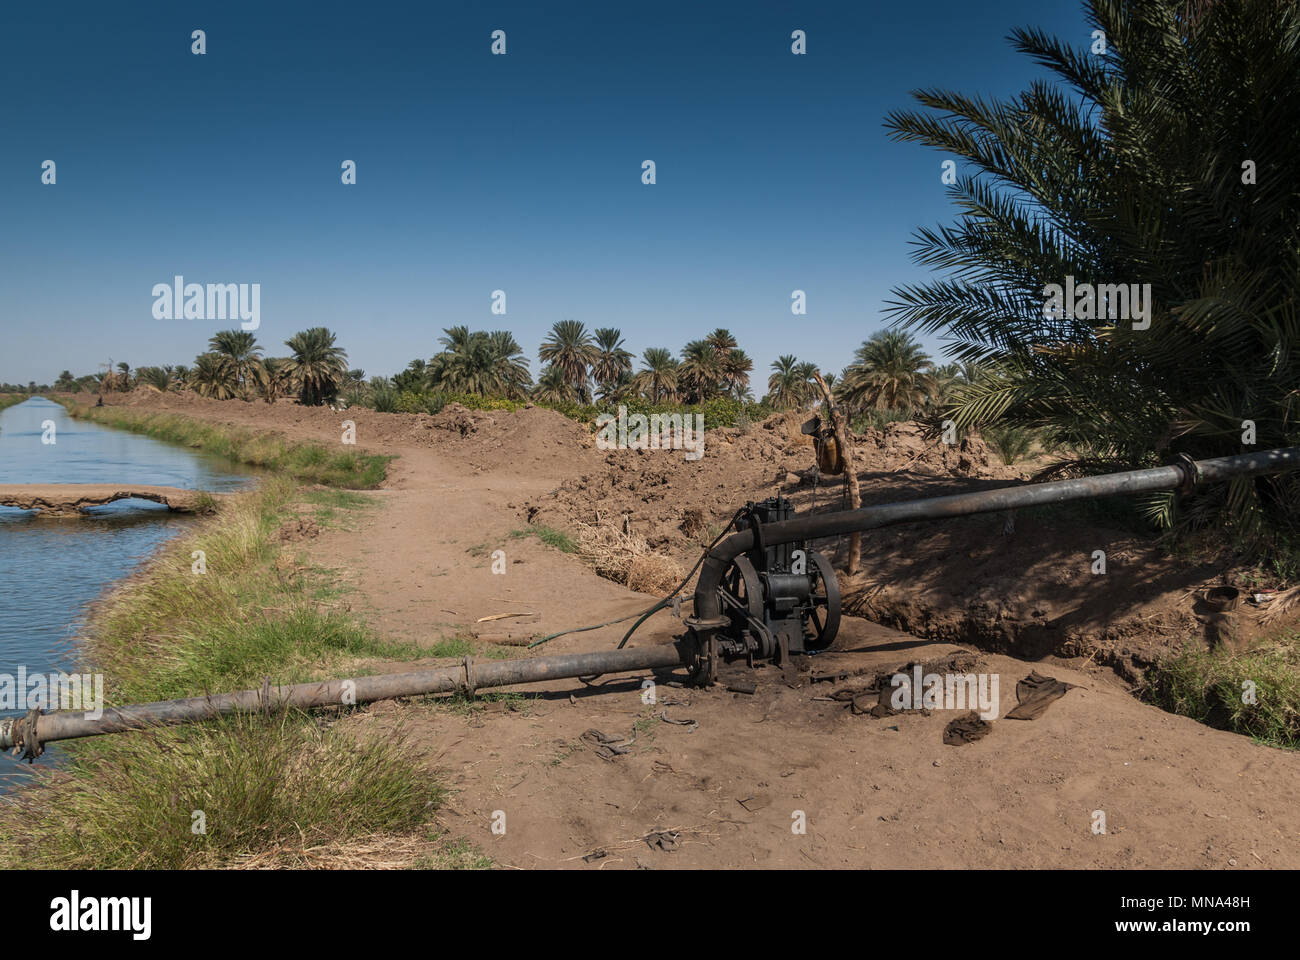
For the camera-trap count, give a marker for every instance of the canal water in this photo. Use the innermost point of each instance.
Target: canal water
(50, 569)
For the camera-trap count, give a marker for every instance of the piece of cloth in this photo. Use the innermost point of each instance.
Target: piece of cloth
(1036, 693)
(966, 729)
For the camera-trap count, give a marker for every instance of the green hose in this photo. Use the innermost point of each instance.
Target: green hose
(646, 614)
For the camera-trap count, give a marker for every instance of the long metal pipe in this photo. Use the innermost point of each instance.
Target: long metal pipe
(468, 676)
(1186, 474)
(31, 732)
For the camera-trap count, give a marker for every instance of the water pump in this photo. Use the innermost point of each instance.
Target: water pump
(778, 598)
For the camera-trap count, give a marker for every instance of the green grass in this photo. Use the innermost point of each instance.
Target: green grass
(308, 462)
(548, 535)
(1209, 687)
(266, 784)
(178, 633)
(11, 399)
(462, 645)
(464, 705)
(455, 854)
(267, 788)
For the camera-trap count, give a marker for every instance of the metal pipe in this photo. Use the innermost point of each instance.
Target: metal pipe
(31, 732)
(467, 676)
(1181, 475)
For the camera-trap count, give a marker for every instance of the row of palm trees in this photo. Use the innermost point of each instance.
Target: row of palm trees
(315, 370)
(889, 372)
(580, 366)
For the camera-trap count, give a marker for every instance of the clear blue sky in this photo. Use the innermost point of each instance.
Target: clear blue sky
(475, 172)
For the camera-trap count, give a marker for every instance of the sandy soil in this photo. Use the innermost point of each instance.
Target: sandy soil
(879, 792)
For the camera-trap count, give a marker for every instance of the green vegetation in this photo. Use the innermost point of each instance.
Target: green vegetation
(308, 462)
(1011, 443)
(1164, 170)
(10, 399)
(280, 788)
(717, 412)
(1212, 686)
(548, 535)
(270, 792)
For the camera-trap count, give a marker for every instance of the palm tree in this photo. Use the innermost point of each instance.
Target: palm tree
(482, 363)
(612, 360)
(787, 387)
(703, 374)
(156, 377)
(735, 363)
(212, 377)
(737, 366)
(317, 366)
(657, 379)
(240, 349)
(274, 378)
(509, 364)
(889, 372)
(415, 378)
(1162, 165)
(554, 386)
(571, 349)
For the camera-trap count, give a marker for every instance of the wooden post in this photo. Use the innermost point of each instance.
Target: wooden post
(845, 439)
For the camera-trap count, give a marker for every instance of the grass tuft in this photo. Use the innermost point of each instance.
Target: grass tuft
(219, 794)
(548, 535)
(1216, 687)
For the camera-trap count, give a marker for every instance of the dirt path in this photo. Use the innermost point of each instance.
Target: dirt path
(873, 792)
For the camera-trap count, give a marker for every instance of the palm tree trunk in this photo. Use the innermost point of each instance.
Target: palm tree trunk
(845, 439)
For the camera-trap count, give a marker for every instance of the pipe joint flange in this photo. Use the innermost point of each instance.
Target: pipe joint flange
(470, 683)
(1191, 473)
(21, 734)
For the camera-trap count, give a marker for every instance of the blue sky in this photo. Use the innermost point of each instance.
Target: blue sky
(474, 172)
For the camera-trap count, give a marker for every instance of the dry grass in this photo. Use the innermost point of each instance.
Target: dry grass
(1281, 605)
(627, 559)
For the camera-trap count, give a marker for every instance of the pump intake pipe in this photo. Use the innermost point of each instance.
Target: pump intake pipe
(27, 735)
(1183, 475)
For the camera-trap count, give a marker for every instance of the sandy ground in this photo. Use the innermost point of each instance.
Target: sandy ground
(733, 789)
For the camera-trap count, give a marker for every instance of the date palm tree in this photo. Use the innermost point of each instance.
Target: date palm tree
(211, 376)
(788, 387)
(736, 364)
(612, 360)
(156, 377)
(703, 373)
(1171, 160)
(658, 377)
(482, 363)
(570, 348)
(554, 386)
(274, 378)
(243, 355)
(317, 366)
(889, 372)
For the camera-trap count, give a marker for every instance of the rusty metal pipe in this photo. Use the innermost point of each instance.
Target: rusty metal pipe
(1181, 475)
(467, 676)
